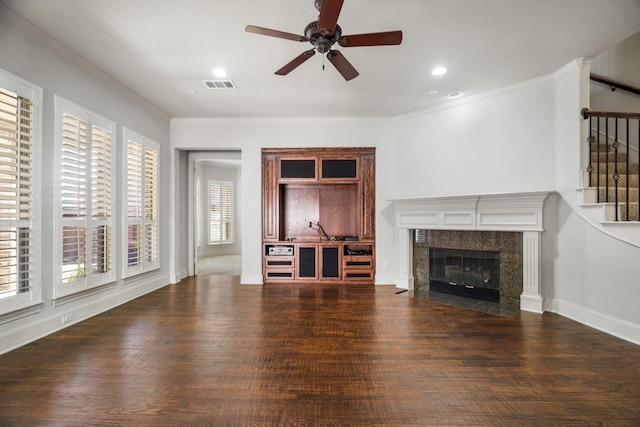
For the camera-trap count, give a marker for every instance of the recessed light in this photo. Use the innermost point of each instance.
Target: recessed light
(438, 71)
(455, 94)
(219, 72)
(433, 92)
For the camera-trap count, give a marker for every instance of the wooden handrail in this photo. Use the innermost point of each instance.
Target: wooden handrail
(586, 113)
(615, 85)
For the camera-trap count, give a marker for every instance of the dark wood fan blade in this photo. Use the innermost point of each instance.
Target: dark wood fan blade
(275, 33)
(342, 65)
(371, 39)
(329, 12)
(297, 61)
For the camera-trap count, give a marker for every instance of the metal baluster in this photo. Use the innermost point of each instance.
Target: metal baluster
(598, 164)
(616, 175)
(606, 159)
(590, 141)
(627, 172)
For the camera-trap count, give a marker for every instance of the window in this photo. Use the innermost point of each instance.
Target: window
(220, 212)
(86, 165)
(141, 204)
(20, 106)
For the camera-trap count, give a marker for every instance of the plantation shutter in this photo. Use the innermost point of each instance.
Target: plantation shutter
(86, 199)
(142, 188)
(16, 187)
(101, 200)
(198, 213)
(220, 212)
(151, 204)
(226, 206)
(214, 212)
(74, 197)
(134, 202)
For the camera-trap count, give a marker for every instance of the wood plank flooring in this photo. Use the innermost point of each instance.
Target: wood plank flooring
(212, 352)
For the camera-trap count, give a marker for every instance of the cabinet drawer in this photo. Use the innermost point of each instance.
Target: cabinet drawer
(357, 262)
(279, 262)
(277, 274)
(358, 275)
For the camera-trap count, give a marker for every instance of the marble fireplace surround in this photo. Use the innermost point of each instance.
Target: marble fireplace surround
(515, 212)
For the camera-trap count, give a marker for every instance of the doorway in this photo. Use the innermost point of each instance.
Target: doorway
(215, 226)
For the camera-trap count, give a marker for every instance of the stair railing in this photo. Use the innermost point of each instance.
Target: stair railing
(607, 143)
(613, 85)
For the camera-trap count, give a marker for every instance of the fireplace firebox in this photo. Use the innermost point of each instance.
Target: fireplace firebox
(467, 273)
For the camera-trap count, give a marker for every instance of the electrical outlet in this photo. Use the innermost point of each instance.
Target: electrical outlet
(385, 265)
(67, 318)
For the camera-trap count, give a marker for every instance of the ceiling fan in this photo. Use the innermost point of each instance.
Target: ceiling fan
(323, 34)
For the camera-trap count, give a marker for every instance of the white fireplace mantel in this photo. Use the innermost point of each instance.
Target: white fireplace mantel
(518, 212)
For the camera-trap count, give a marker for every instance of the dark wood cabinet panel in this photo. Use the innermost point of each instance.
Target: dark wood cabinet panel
(298, 168)
(330, 262)
(339, 168)
(368, 201)
(338, 210)
(307, 262)
(269, 198)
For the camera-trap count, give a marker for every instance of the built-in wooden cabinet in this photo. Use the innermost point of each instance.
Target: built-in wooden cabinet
(319, 214)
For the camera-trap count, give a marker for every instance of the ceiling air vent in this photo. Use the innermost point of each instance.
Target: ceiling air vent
(219, 84)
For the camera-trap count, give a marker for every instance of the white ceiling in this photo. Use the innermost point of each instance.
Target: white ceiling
(162, 50)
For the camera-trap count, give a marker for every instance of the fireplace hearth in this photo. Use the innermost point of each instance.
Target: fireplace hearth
(465, 273)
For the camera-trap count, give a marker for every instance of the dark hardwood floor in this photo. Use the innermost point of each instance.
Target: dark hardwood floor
(209, 351)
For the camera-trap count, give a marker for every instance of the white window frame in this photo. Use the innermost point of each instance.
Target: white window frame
(33, 296)
(210, 239)
(149, 191)
(87, 222)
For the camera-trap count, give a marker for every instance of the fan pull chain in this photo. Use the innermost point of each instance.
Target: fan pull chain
(322, 62)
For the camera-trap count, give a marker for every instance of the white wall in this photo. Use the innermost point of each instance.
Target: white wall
(499, 142)
(31, 55)
(526, 138)
(621, 64)
(251, 135)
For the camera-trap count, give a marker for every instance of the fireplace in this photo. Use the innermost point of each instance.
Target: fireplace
(465, 273)
(517, 218)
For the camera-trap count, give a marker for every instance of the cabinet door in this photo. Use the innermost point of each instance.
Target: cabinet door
(331, 262)
(269, 199)
(298, 169)
(368, 198)
(307, 262)
(343, 169)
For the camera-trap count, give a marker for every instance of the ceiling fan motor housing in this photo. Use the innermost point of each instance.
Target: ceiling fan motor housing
(322, 43)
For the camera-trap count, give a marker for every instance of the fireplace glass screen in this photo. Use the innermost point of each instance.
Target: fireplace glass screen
(468, 273)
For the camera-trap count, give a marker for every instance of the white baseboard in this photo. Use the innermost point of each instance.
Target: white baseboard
(403, 282)
(613, 326)
(531, 303)
(251, 279)
(180, 275)
(40, 327)
(385, 279)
